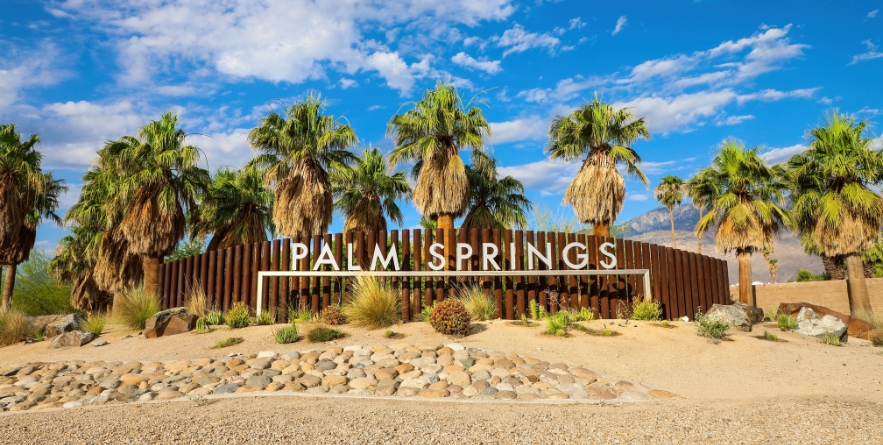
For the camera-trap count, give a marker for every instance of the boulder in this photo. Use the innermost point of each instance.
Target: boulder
(72, 338)
(68, 323)
(810, 323)
(855, 327)
(754, 313)
(732, 314)
(169, 322)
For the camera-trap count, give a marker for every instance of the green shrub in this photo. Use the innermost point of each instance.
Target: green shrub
(713, 330)
(426, 313)
(214, 317)
(287, 334)
(389, 334)
(769, 336)
(831, 339)
(266, 317)
(664, 323)
(805, 275)
(450, 317)
(229, 341)
(374, 305)
(534, 310)
(480, 306)
(135, 307)
(237, 316)
(37, 291)
(333, 315)
(787, 322)
(584, 314)
(94, 323)
(40, 334)
(559, 323)
(322, 334)
(14, 327)
(646, 310)
(299, 314)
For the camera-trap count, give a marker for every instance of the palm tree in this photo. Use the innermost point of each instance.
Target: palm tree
(494, 202)
(670, 192)
(834, 203)
(367, 194)
(74, 263)
(434, 132)
(603, 135)
(236, 209)
(299, 150)
(159, 178)
(744, 205)
(698, 188)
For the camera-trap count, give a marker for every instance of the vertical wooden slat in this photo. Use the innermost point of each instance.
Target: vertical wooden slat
(563, 280)
(696, 282)
(519, 280)
(621, 280)
(275, 257)
(595, 288)
(510, 282)
(338, 258)
(164, 289)
(315, 248)
(684, 276)
(487, 281)
(406, 280)
(498, 280)
(347, 286)
(245, 269)
(675, 287)
(531, 280)
(708, 277)
(161, 284)
(573, 280)
(417, 289)
(213, 280)
(381, 243)
(725, 269)
(237, 277)
(444, 239)
(542, 282)
(659, 278)
(253, 273)
(630, 281)
(326, 281)
(203, 273)
(194, 278)
(228, 277)
(678, 299)
(584, 281)
(643, 252)
(285, 284)
(429, 293)
(173, 288)
(552, 280)
(188, 280)
(304, 286)
(265, 258)
(474, 258)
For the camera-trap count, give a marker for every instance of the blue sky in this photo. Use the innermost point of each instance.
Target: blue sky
(81, 72)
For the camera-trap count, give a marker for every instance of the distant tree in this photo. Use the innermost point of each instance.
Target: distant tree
(698, 189)
(367, 193)
(235, 209)
(494, 202)
(670, 192)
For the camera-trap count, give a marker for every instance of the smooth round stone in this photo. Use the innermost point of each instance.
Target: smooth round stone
(317, 390)
(406, 391)
(507, 395)
(434, 393)
(505, 387)
(455, 389)
(168, 395)
(480, 375)
(489, 391)
(341, 389)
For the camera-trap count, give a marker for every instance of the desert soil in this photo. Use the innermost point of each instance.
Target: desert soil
(748, 390)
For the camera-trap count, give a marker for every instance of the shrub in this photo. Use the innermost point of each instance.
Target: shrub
(375, 305)
(606, 332)
(584, 314)
(770, 337)
(214, 317)
(450, 317)
(202, 327)
(389, 334)
(197, 302)
(229, 341)
(427, 312)
(299, 314)
(266, 317)
(40, 334)
(135, 307)
(646, 310)
(237, 316)
(805, 275)
(831, 339)
(877, 338)
(713, 330)
(322, 334)
(787, 322)
(480, 306)
(559, 323)
(287, 334)
(333, 315)
(664, 323)
(14, 327)
(94, 323)
(37, 291)
(534, 310)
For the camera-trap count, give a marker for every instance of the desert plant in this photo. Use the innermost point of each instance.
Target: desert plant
(321, 334)
(646, 310)
(197, 302)
(670, 192)
(606, 332)
(94, 323)
(584, 314)
(229, 341)
(214, 317)
(202, 327)
(876, 337)
(135, 307)
(831, 339)
(787, 322)
(388, 333)
(804, 275)
(714, 330)
(40, 334)
(237, 316)
(333, 315)
(427, 312)
(287, 334)
(769, 336)
(559, 323)
(450, 317)
(266, 317)
(534, 310)
(14, 327)
(480, 306)
(299, 314)
(374, 305)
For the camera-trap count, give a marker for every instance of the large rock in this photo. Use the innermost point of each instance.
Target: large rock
(72, 338)
(810, 323)
(734, 315)
(169, 322)
(855, 327)
(754, 313)
(68, 323)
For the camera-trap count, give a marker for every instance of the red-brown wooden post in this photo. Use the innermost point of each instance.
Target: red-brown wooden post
(440, 238)
(245, 269)
(659, 277)
(406, 280)
(474, 258)
(531, 280)
(675, 284)
(630, 280)
(285, 284)
(417, 290)
(173, 288)
(203, 273)
(429, 293)
(228, 276)
(350, 253)
(338, 258)
(275, 257)
(237, 276)
(595, 286)
(510, 281)
(685, 274)
(498, 280)
(519, 280)
(253, 273)
(315, 248)
(487, 282)
(563, 280)
(552, 280)
(584, 280)
(695, 282)
(304, 288)
(213, 274)
(195, 283)
(326, 281)
(573, 281)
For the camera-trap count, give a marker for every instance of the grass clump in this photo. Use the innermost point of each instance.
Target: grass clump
(772, 337)
(877, 338)
(480, 306)
(523, 321)
(534, 310)
(94, 323)
(427, 312)
(229, 341)
(136, 306)
(238, 316)
(40, 334)
(202, 327)
(214, 317)
(388, 333)
(787, 322)
(559, 323)
(375, 305)
(646, 310)
(333, 315)
(584, 314)
(713, 330)
(322, 334)
(831, 339)
(299, 314)
(266, 317)
(197, 302)
(14, 327)
(287, 334)
(606, 332)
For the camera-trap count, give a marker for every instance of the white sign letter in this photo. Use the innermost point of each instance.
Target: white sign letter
(300, 252)
(583, 257)
(326, 257)
(433, 250)
(464, 251)
(391, 257)
(490, 251)
(531, 251)
(608, 254)
(350, 265)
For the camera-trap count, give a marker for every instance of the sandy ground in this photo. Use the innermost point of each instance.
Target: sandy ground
(743, 391)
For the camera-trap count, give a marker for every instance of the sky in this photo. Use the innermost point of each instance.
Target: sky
(80, 73)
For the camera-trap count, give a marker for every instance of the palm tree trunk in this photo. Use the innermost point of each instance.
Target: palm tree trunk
(446, 223)
(699, 238)
(151, 274)
(601, 229)
(744, 276)
(671, 217)
(858, 290)
(8, 287)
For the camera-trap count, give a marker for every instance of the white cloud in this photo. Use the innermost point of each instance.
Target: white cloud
(564, 90)
(636, 196)
(488, 66)
(518, 40)
(20, 70)
(620, 24)
(577, 23)
(873, 13)
(734, 120)
(777, 155)
(548, 176)
(871, 54)
(228, 149)
(348, 83)
(529, 128)
(375, 107)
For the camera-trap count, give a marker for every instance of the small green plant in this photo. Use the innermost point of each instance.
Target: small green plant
(646, 310)
(427, 311)
(229, 341)
(202, 327)
(543, 314)
(559, 323)
(214, 317)
(584, 314)
(14, 327)
(664, 323)
(772, 337)
(523, 321)
(534, 310)
(478, 304)
(287, 334)
(606, 332)
(388, 333)
(375, 304)
(266, 317)
(333, 315)
(322, 334)
(831, 339)
(94, 323)
(787, 322)
(714, 330)
(450, 317)
(40, 334)
(299, 314)
(136, 306)
(770, 314)
(237, 316)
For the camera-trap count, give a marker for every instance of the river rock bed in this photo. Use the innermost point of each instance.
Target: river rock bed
(424, 370)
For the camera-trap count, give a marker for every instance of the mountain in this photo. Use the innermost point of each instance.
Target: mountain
(654, 227)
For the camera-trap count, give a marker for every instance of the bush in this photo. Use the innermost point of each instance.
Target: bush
(197, 303)
(299, 314)
(135, 307)
(229, 341)
(480, 306)
(427, 312)
(805, 275)
(713, 330)
(787, 322)
(831, 339)
(37, 291)
(214, 317)
(450, 317)
(322, 334)
(389, 334)
(584, 314)
(559, 323)
(14, 327)
(646, 310)
(202, 327)
(237, 316)
(286, 335)
(534, 310)
(266, 317)
(94, 323)
(375, 305)
(769, 336)
(877, 338)
(333, 315)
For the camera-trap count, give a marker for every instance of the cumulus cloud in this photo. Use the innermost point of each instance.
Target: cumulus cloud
(636, 196)
(488, 66)
(777, 155)
(577, 23)
(549, 176)
(20, 70)
(529, 128)
(620, 24)
(517, 40)
(873, 13)
(872, 53)
(733, 120)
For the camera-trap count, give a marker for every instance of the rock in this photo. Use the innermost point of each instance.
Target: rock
(72, 338)
(169, 322)
(258, 382)
(362, 383)
(334, 380)
(434, 393)
(754, 313)
(72, 404)
(228, 388)
(99, 343)
(489, 391)
(810, 323)
(732, 314)
(271, 355)
(856, 327)
(168, 395)
(69, 323)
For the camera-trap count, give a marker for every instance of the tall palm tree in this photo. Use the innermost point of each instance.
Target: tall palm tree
(670, 192)
(159, 177)
(834, 202)
(698, 189)
(367, 194)
(744, 196)
(494, 202)
(299, 151)
(236, 209)
(603, 136)
(74, 263)
(434, 132)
